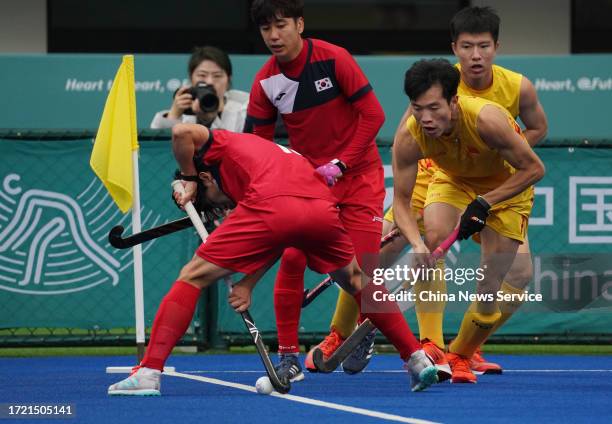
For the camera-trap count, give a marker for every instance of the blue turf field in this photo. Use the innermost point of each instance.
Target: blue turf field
(542, 389)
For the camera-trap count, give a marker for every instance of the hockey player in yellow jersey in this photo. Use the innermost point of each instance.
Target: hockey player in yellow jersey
(486, 170)
(474, 33)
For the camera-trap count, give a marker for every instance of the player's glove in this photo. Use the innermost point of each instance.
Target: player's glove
(332, 171)
(474, 218)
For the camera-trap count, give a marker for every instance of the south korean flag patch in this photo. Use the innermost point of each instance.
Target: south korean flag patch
(323, 84)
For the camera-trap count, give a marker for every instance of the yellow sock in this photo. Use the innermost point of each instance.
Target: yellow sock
(508, 308)
(475, 329)
(346, 314)
(430, 313)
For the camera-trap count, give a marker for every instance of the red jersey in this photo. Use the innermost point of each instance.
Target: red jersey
(314, 94)
(252, 169)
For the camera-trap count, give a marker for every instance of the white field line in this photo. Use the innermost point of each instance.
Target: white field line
(308, 401)
(395, 371)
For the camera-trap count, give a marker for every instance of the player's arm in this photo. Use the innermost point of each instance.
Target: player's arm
(371, 118)
(532, 113)
(264, 130)
(405, 158)
(261, 113)
(358, 91)
(498, 133)
(240, 295)
(187, 139)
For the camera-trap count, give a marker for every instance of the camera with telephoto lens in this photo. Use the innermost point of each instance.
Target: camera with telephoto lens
(206, 94)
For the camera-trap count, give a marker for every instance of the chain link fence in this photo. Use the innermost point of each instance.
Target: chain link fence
(61, 283)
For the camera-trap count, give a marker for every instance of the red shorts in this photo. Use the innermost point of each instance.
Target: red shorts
(255, 235)
(360, 199)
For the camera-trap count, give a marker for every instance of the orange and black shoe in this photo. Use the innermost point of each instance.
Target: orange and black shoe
(328, 346)
(439, 359)
(460, 367)
(480, 365)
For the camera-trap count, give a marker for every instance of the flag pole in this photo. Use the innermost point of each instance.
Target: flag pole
(138, 276)
(116, 144)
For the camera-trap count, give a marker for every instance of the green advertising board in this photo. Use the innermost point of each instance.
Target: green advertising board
(69, 91)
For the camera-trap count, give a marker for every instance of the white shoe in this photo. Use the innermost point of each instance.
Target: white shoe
(423, 372)
(141, 382)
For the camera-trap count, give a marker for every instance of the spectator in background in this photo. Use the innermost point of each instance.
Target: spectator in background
(212, 66)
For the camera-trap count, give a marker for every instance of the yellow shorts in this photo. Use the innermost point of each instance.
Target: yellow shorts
(508, 218)
(418, 204)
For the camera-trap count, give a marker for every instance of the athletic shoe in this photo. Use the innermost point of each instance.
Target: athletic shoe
(289, 368)
(141, 382)
(328, 346)
(460, 367)
(422, 371)
(439, 359)
(360, 357)
(480, 365)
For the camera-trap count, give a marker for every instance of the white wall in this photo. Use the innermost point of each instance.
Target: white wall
(532, 27)
(23, 26)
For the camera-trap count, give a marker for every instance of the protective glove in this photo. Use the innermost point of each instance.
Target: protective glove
(474, 218)
(332, 171)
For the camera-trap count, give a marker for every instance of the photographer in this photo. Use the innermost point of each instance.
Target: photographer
(210, 71)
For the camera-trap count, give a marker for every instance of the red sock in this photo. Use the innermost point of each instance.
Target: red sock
(171, 321)
(389, 320)
(288, 294)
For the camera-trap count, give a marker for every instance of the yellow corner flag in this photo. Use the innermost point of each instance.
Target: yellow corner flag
(111, 157)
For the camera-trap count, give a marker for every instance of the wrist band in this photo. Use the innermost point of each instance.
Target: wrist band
(189, 177)
(339, 164)
(483, 202)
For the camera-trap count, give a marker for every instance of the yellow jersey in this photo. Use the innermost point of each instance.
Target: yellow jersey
(463, 155)
(505, 89)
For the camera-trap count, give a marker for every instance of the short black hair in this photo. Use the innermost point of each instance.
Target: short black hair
(475, 20)
(265, 11)
(425, 73)
(214, 54)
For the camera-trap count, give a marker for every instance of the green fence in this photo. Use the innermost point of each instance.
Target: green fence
(62, 283)
(60, 280)
(571, 239)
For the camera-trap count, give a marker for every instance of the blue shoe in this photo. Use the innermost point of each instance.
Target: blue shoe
(360, 357)
(289, 368)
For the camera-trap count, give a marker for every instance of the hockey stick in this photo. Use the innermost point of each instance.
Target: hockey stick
(115, 239)
(366, 327)
(310, 295)
(279, 386)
